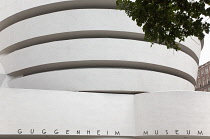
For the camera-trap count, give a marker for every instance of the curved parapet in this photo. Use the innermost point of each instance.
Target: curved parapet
(13, 11)
(85, 53)
(59, 29)
(83, 35)
(102, 80)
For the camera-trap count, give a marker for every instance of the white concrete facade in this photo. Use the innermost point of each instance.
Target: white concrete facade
(81, 69)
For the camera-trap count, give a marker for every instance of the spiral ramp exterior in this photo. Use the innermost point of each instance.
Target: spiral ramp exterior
(81, 69)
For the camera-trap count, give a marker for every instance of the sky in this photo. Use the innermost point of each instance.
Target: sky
(205, 54)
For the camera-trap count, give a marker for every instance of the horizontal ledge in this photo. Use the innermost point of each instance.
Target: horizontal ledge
(55, 7)
(113, 92)
(103, 64)
(86, 34)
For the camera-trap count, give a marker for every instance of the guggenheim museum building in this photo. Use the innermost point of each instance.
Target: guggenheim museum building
(80, 69)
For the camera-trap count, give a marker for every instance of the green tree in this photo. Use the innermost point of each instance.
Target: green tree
(164, 21)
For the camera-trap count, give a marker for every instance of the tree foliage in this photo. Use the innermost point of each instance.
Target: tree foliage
(164, 21)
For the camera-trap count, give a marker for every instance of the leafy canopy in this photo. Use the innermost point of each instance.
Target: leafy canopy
(164, 21)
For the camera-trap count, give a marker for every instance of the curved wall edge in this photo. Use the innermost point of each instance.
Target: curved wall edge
(86, 53)
(109, 64)
(91, 79)
(30, 9)
(59, 29)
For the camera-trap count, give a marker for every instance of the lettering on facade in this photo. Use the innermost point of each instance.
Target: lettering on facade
(108, 132)
(145, 133)
(200, 132)
(68, 132)
(172, 132)
(166, 132)
(188, 132)
(156, 132)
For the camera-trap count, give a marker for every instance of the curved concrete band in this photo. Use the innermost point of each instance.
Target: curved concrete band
(80, 53)
(102, 80)
(78, 20)
(14, 12)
